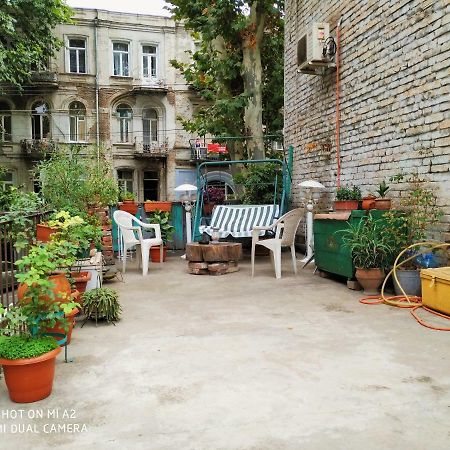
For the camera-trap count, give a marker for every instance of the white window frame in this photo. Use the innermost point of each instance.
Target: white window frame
(153, 128)
(125, 134)
(77, 119)
(77, 49)
(122, 182)
(149, 57)
(40, 117)
(5, 183)
(121, 64)
(5, 136)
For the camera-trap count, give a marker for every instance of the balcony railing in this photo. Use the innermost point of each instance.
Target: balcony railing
(37, 148)
(155, 149)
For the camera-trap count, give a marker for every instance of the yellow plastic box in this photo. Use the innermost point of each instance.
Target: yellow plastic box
(436, 289)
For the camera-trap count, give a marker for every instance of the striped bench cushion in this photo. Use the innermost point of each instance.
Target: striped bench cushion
(239, 220)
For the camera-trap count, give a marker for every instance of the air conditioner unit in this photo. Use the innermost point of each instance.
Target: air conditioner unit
(310, 49)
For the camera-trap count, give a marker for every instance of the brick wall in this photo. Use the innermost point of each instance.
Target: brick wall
(395, 95)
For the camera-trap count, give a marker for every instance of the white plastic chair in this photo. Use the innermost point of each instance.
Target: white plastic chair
(285, 229)
(131, 236)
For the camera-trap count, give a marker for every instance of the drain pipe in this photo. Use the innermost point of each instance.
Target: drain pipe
(97, 109)
(338, 112)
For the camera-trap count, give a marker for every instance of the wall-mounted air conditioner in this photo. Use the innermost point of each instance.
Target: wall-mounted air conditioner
(315, 49)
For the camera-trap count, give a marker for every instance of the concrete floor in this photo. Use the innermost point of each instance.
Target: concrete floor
(231, 362)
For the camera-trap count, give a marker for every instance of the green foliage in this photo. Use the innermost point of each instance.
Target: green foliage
(258, 181)
(27, 41)
(19, 347)
(369, 242)
(72, 180)
(127, 195)
(223, 30)
(383, 188)
(348, 193)
(102, 303)
(163, 219)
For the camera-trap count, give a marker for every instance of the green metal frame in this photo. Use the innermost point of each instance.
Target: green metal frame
(285, 195)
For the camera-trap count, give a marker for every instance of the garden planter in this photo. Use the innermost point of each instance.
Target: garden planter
(59, 330)
(29, 380)
(383, 204)
(44, 232)
(81, 279)
(61, 289)
(107, 240)
(410, 282)
(368, 203)
(370, 279)
(157, 206)
(155, 253)
(345, 205)
(129, 206)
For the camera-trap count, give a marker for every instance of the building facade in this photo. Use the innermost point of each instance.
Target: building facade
(394, 96)
(111, 84)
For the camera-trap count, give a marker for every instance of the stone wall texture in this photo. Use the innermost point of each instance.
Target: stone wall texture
(394, 96)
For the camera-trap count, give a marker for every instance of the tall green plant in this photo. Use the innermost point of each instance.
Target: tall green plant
(163, 219)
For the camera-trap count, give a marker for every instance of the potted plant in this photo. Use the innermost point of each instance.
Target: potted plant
(128, 202)
(163, 219)
(213, 195)
(152, 205)
(371, 249)
(418, 211)
(347, 198)
(368, 202)
(102, 303)
(383, 203)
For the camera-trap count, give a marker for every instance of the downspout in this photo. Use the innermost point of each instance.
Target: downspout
(97, 109)
(338, 112)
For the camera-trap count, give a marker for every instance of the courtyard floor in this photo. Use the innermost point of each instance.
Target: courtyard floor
(235, 363)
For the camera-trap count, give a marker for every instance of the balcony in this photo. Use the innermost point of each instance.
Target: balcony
(208, 152)
(47, 79)
(149, 85)
(37, 148)
(155, 149)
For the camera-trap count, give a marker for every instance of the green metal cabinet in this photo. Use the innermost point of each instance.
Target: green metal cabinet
(329, 253)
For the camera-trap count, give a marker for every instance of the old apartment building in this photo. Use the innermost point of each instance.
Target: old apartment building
(111, 84)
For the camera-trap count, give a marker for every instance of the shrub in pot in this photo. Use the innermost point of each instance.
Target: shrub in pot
(212, 196)
(371, 249)
(347, 198)
(128, 202)
(152, 205)
(163, 219)
(383, 203)
(102, 303)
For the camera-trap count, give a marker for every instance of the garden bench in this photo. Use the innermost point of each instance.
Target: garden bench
(239, 220)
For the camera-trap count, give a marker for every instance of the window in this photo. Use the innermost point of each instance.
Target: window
(149, 128)
(40, 120)
(77, 55)
(124, 115)
(125, 180)
(5, 122)
(149, 56)
(151, 184)
(6, 180)
(120, 58)
(77, 118)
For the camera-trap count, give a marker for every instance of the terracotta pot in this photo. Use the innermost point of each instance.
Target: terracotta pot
(383, 204)
(129, 206)
(207, 208)
(107, 240)
(59, 327)
(160, 206)
(61, 289)
(345, 205)
(155, 254)
(44, 232)
(29, 380)
(368, 203)
(370, 279)
(81, 279)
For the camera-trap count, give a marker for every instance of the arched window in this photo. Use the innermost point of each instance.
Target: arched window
(149, 128)
(5, 122)
(125, 116)
(40, 120)
(77, 117)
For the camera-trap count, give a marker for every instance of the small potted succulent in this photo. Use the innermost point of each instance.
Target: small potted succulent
(347, 198)
(167, 229)
(382, 203)
(212, 196)
(128, 202)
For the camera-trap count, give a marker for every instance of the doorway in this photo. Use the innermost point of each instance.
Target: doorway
(151, 185)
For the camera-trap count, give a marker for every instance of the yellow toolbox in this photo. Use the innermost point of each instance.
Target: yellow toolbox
(436, 289)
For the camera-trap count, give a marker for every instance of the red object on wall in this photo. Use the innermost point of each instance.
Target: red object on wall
(213, 148)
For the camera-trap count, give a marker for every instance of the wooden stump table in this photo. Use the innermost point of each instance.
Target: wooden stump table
(213, 259)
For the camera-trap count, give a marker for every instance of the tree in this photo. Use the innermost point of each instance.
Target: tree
(26, 39)
(237, 68)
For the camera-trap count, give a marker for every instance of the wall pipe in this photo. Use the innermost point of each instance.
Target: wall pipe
(338, 112)
(97, 109)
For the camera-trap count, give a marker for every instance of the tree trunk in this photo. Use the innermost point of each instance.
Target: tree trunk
(252, 75)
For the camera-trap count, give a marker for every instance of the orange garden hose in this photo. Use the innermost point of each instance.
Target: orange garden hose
(338, 112)
(404, 301)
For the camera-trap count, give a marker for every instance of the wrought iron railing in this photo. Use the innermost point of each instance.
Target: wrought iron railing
(38, 147)
(155, 148)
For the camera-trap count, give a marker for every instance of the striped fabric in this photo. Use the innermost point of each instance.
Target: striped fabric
(239, 220)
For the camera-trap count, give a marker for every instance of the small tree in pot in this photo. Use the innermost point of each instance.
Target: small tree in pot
(371, 248)
(347, 198)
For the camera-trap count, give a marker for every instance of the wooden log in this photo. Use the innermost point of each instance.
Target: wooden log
(217, 268)
(223, 252)
(198, 268)
(194, 252)
(233, 266)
